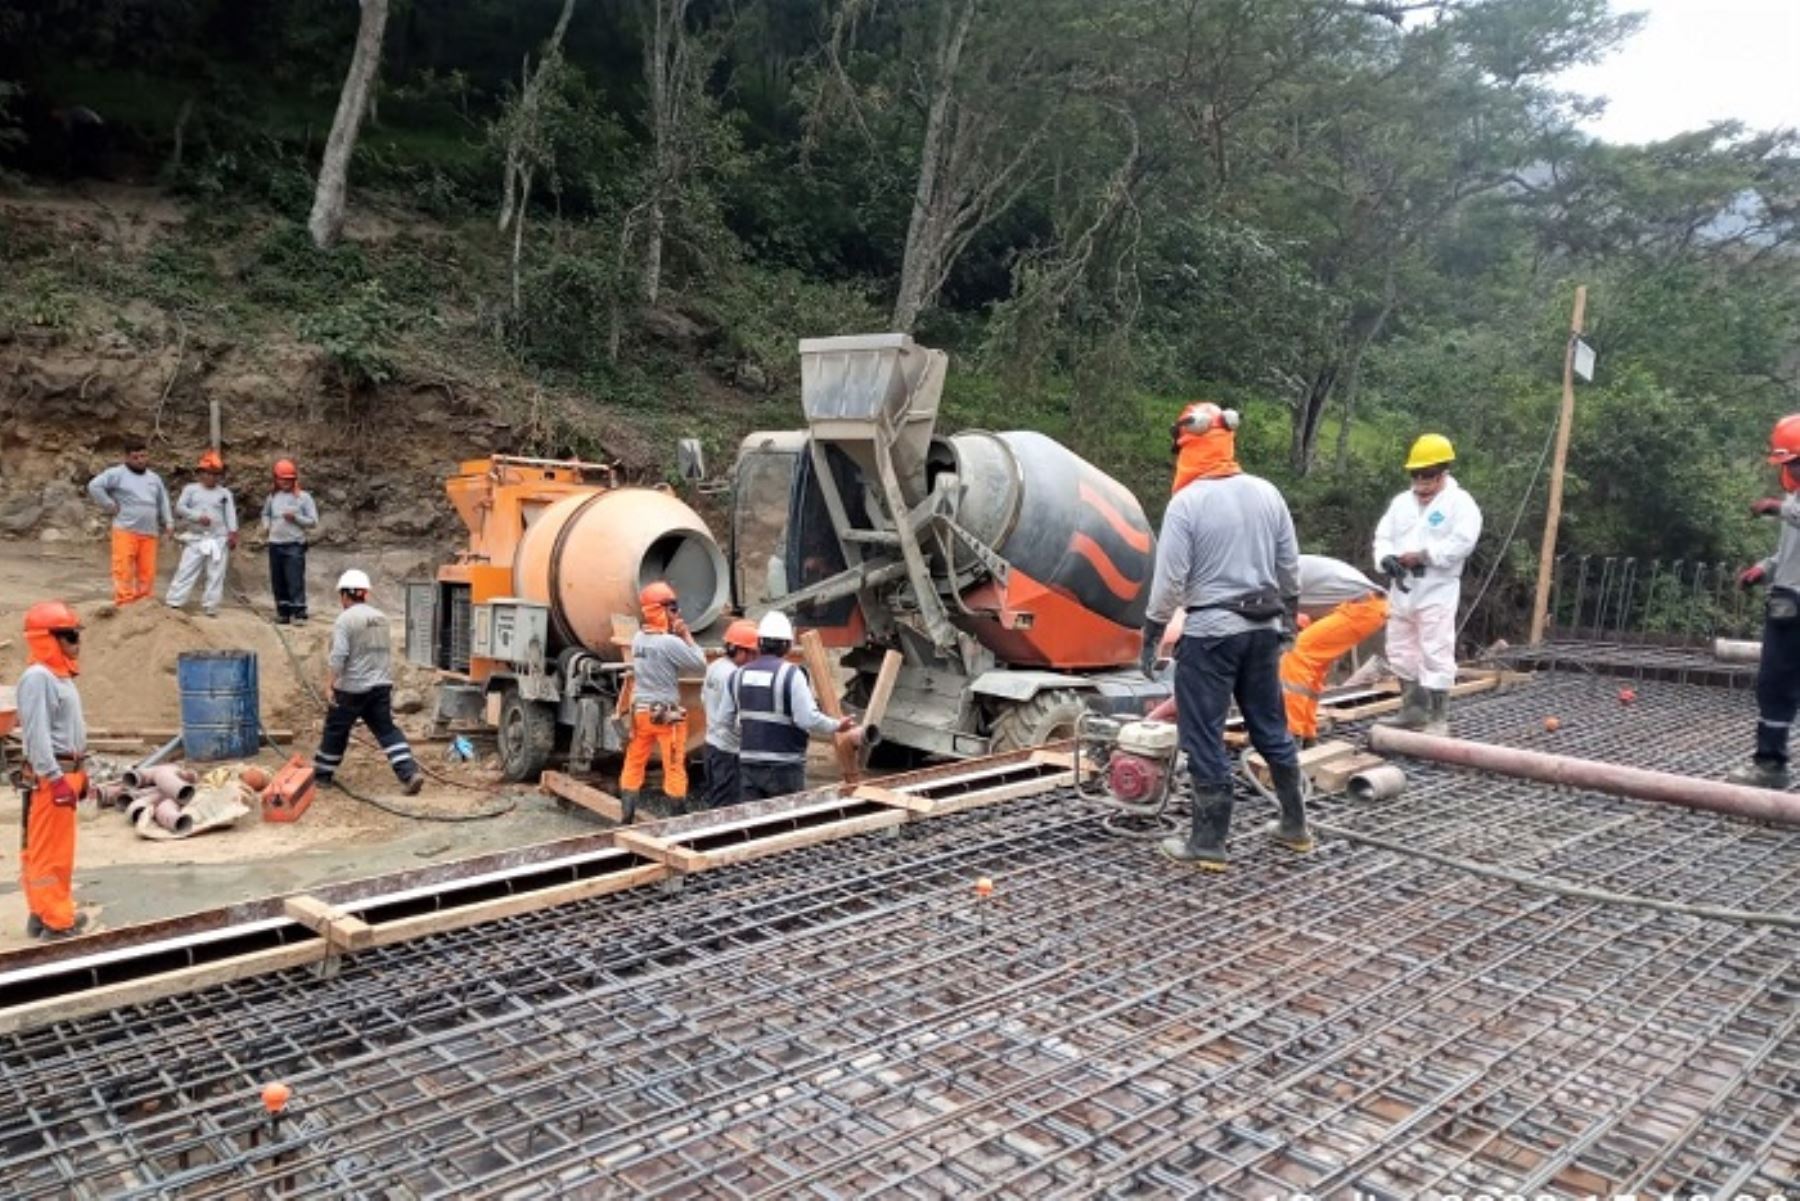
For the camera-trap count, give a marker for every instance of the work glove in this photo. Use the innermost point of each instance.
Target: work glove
(1395, 571)
(231, 540)
(1153, 636)
(1290, 621)
(63, 794)
(1768, 506)
(1751, 576)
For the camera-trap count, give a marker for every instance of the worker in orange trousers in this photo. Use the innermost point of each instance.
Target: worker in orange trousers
(52, 781)
(662, 650)
(1320, 644)
(138, 502)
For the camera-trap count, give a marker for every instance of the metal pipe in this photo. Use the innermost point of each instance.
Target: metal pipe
(167, 814)
(1736, 650)
(1381, 783)
(1611, 778)
(138, 773)
(173, 782)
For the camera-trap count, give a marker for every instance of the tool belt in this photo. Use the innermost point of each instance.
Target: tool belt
(1261, 606)
(26, 780)
(662, 713)
(1782, 605)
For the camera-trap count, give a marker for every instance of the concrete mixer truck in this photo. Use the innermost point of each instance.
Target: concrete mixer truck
(521, 626)
(1011, 574)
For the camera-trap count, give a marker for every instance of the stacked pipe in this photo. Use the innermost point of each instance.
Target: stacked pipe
(163, 790)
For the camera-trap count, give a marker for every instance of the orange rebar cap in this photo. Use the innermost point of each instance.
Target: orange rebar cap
(275, 1096)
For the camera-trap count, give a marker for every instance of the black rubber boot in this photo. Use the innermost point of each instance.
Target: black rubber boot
(414, 786)
(1204, 846)
(38, 930)
(628, 803)
(1761, 773)
(1415, 707)
(1437, 711)
(1291, 831)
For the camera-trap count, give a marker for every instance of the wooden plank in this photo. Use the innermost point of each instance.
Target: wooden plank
(667, 853)
(1062, 759)
(341, 930)
(831, 701)
(158, 737)
(1311, 758)
(792, 840)
(587, 796)
(1335, 776)
(887, 796)
(151, 988)
(993, 796)
(407, 928)
(1392, 705)
(882, 691)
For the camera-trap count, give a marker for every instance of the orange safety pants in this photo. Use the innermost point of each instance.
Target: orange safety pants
(133, 566)
(1305, 666)
(670, 740)
(48, 861)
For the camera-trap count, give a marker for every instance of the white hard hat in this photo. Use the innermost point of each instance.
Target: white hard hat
(354, 581)
(775, 626)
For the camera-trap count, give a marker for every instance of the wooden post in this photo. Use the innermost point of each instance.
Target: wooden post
(825, 688)
(217, 442)
(1553, 517)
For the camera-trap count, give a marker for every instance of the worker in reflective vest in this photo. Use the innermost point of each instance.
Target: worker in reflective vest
(772, 703)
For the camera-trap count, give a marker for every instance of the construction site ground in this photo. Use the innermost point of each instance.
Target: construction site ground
(856, 1018)
(128, 684)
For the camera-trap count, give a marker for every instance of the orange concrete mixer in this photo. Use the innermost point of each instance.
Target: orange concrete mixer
(530, 626)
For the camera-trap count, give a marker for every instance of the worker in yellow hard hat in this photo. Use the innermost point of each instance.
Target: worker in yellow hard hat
(1421, 544)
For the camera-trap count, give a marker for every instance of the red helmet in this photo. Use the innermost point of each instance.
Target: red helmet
(285, 470)
(1784, 440)
(741, 634)
(51, 617)
(656, 594)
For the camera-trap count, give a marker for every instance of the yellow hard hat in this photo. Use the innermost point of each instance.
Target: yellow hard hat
(1431, 450)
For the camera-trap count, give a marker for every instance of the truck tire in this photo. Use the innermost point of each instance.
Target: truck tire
(1046, 717)
(527, 735)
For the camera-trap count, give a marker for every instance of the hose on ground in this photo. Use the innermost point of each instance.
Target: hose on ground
(1520, 879)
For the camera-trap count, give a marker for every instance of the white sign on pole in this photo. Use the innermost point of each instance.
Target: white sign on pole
(1584, 360)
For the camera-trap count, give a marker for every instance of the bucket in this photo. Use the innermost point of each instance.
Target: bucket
(220, 712)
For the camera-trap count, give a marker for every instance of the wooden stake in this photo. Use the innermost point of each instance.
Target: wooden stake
(1553, 517)
(831, 703)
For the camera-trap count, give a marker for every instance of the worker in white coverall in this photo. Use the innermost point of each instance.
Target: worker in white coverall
(1421, 544)
(207, 527)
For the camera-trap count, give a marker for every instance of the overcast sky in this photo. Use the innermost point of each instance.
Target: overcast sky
(1697, 61)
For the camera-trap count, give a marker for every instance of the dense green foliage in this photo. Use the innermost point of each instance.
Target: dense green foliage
(1354, 220)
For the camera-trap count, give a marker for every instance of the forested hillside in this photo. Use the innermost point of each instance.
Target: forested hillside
(1354, 219)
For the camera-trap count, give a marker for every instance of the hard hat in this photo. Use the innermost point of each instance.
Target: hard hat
(1784, 440)
(210, 461)
(285, 470)
(1202, 417)
(51, 616)
(741, 634)
(354, 581)
(656, 594)
(775, 627)
(1431, 450)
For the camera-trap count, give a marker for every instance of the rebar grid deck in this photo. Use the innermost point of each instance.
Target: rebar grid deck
(1634, 661)
(851, 1019)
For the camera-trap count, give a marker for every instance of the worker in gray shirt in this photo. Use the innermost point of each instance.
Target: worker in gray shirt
(360, 683)
(1778, 676)
(772, 704)
(137, 501)
(662, 651)
(288, 516)
(1227, 558)
(210, 533)
(52, 780)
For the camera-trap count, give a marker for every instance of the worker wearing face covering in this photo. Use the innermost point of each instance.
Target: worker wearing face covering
(52, 780)
(1778, 676)
(661, 653)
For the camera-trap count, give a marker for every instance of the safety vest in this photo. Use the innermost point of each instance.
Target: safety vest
(766, 729)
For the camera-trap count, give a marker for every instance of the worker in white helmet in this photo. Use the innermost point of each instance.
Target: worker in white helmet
(772, 703)
(360, 682)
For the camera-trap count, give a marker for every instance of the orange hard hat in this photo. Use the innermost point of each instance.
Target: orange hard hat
(50, 617)
(285, 470)
(655, 594)
(210, 461)
(1784, 440)
(741, 634)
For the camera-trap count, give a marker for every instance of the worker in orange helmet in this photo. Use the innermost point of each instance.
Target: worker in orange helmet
(1778, 677)
(288, 516)
(661, 652)
(135, 498)
(52, 780)
(209, 533)
(722, 740)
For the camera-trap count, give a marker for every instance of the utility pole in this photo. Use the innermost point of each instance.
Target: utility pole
(1547, 552)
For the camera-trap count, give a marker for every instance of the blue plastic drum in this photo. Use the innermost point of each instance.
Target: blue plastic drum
(220, 704)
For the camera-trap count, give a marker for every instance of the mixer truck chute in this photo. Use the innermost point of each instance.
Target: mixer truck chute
(520, 627)
(1011, 573)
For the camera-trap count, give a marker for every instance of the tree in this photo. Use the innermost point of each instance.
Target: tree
(523, 128)
(326, 222)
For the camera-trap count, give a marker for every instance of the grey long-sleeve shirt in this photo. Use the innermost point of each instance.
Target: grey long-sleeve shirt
(1223, 540)
(197, 501)
(289, 515)
(137, 500)
(50, 721)
(1782, 569)
(1326, 582)
(658, 660)
(361, 655)
(715, 695)
(801, 704)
